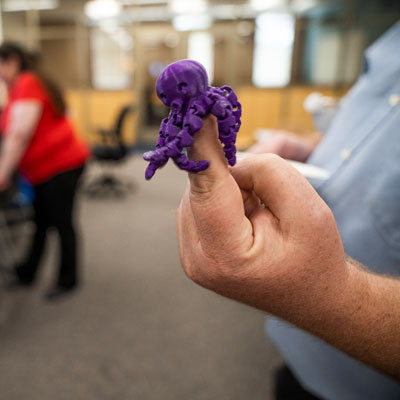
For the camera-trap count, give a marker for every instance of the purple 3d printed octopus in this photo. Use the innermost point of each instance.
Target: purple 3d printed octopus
(183, 86)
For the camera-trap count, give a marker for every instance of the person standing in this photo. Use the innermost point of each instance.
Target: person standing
(39, 140)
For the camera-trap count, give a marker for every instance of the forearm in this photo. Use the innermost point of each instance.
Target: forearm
(362, 318)
(24, 117)
(12, 150)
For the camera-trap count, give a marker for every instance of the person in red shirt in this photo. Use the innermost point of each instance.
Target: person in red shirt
(38, 139)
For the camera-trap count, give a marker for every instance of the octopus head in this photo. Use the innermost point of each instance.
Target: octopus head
(183, 79)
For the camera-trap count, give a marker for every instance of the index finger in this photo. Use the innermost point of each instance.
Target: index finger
(282, 189)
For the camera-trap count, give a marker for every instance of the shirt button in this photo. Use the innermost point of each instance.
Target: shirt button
(345, 154)
(394, 99)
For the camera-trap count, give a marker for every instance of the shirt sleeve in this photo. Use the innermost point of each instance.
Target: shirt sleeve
(29, 87)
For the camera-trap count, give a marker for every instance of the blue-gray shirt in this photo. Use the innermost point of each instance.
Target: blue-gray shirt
(361, 150)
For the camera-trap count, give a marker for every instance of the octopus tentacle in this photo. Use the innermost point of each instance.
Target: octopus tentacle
(175, 144)
(227, 122)
(185, 90)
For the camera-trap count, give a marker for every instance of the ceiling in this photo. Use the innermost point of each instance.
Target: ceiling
(159, 10)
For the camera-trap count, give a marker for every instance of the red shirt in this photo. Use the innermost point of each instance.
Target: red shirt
(54, 147)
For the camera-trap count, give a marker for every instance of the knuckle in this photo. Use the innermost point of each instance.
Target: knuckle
(200, 268)
(259, 162)
(323, 217)
(268, 161)
(189, 266)
(214, 269)
(275, 159)
(205, 190)
(201, 185)
(268, 158)
(184, 259)
(190, 272)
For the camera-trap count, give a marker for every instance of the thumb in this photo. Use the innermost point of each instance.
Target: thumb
(215, 197)
(208, 147)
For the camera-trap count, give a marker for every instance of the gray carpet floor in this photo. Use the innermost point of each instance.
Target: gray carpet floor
(137, 328)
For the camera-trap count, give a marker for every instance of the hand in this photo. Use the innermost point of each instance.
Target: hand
(258, 233)
(286, 145)
(5, 184)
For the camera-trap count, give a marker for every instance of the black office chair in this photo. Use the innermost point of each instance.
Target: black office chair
(15, 213)
(112, 150)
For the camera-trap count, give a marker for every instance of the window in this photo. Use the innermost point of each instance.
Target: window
(111, 55)
(201, 49)
(336, 56)
(273, 49)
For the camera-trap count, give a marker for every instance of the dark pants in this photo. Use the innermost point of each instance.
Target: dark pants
(287, 387)
(53, 206)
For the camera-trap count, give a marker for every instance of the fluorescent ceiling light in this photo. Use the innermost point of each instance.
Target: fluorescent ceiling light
(261, 5)
(201, 49)
(275, 28)
(191, 22)
(188, 6)
(143, 2)
(24, 5)
(301, 6)
(100, 9)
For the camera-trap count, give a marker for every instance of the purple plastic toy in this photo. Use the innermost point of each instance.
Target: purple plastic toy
(183, 86)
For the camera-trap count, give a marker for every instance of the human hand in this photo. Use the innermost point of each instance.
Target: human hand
(258, 233)
(5, 184)
(286, 145)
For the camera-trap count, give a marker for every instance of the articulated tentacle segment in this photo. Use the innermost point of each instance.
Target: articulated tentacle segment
(183, 87)
(228, 112)
(178, 138)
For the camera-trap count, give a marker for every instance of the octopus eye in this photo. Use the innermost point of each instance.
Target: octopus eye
(163, 96)
(182, 86)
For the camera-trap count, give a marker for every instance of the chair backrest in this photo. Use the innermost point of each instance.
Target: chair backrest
(125, 111)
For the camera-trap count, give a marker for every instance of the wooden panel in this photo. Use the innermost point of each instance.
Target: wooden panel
(76, 111)
(104, 107)
(92, 110)
(277, 109)
(260, 109)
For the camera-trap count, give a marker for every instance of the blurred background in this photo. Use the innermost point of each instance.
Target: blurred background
(108, 53)
(138, 329)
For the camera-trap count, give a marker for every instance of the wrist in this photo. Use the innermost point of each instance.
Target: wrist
(336, 303)
(316, 298)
